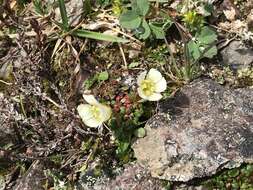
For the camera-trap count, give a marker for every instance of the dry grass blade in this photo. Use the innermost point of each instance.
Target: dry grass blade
(56, 47)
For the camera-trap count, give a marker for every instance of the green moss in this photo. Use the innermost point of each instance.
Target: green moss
(238, 178)
(245, 77)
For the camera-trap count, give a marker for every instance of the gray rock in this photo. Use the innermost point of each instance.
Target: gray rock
(7, 132)
(33, 179)
(190, 187)
(209, 128)
(132, 177)
(74, 11)
(237, 55)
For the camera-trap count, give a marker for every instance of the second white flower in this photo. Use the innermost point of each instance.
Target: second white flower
(151, 84)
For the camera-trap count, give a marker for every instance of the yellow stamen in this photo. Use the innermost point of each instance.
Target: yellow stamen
(148, 87)
(95, 112)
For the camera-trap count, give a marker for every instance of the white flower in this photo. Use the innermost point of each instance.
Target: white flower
(151, 85)
(94, 113)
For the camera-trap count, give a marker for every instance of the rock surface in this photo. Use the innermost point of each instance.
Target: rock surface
(209, 128)
(74, 10)
(33, 179)
(133, 177)
(237, 55)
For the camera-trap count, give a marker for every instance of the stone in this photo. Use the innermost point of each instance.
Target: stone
(74, 10)
(132, 177)
(7, 133)
(34, 178)
(237, 55)
(202, 130)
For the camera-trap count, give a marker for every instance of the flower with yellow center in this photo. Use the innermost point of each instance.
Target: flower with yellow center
(151, 84)
(94, 113)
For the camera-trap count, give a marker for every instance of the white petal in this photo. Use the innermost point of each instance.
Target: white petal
(105, 112)
(90, 99)
(154, 75)
(93, 122)
(161, 85)
(84, 110)
(141, 94)
(155, 97)
(141, 77)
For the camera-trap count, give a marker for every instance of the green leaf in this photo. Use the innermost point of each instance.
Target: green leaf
(159, 1)
(64, 15)
(142, 7)
(134, 64)
(122, 148)
(88, 83)
(167, 24)
(130, 20)
(206, 36)
(233, 173)
(193, 49)
(157, 31)
(87, 7)
(140, 133)
(38, 7)
(83, 168)
(208, 9)
(211, 52)
(97, 36)
(103, 76)
(147, 30)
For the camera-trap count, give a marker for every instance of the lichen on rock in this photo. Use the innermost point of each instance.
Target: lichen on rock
(211, 128)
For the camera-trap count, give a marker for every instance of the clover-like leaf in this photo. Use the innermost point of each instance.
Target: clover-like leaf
(134, 64)
(130, 20)
(193, 49)
(157, 31)
(103, 76)
(208, 9)
(206, 36)
(142, 7)
(211, 52)
(147, 30)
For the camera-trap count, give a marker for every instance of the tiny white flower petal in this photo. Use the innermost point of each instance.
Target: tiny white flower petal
(94, 113)
(92, 122)
(154, 75)
(105, 112)
(90, 99)
(161, 85)
(84, 110)
(141, 94)
(141, 77)
(155, 97)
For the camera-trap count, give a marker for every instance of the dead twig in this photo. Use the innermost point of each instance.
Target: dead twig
(4, 82)
(123, 55)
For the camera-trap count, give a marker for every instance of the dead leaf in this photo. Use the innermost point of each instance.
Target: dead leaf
(236, 26)
(250, 20)
(230, 14)
(6, 71)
